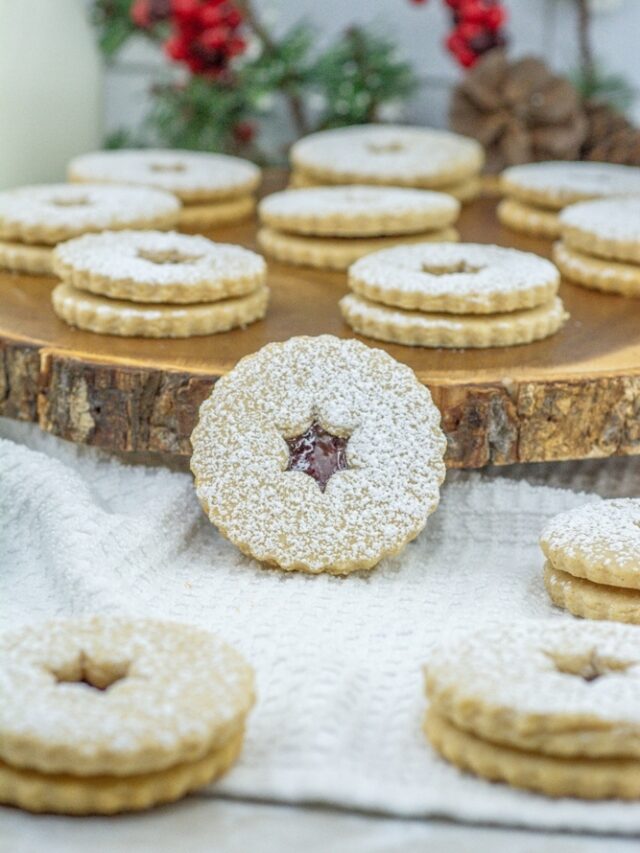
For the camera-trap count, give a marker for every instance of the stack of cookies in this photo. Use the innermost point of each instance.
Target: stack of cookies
(330, 227)
(444, 295)
(593, 560)
(390, 155)
(34, 219)
(548, 705)
(157, 285)
(215, 189)
(600, 246)
(537, 192)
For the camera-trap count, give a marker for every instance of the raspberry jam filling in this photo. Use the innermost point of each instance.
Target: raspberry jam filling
(317, 453)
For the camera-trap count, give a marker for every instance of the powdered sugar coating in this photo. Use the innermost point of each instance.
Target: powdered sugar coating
(558, 183)
(182, 693)
(598, 541)
(358, 210)
(191, 175)
(394, 454)
(50, 213)
(559, 687)
(388, 154)
(462, 278)
(157, 266)
(609, 219)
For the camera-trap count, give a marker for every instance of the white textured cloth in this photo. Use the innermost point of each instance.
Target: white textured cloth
(338, 661)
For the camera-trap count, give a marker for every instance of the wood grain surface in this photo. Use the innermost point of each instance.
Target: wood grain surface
(574, 395)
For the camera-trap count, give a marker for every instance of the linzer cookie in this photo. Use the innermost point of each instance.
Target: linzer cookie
(430, 329)
(439, 295)
(358, 211)
(556, 184)
(468, 278)
(319, 455)
(32, 219)
(153, 266)
(593, 560)
(105, 715)
(388, 154)
(215, 189)
(108, 316)
(537, 192)
(549, 706)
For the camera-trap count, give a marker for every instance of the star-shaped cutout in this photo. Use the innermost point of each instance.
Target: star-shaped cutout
(318, 453)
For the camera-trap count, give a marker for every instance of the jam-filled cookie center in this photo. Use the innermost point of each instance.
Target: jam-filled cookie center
(176, 166)
(318, 453)
(589, 666)
(392, 147)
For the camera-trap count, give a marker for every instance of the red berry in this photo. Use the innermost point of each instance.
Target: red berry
(244, 131)
(185, 10)
(141, 13)
(214, 38)
(236, 46)
(211, 16)
(176, 48)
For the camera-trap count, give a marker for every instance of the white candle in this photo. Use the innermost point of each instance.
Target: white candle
(50, 88)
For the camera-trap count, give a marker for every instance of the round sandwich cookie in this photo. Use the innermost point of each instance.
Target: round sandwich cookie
(108, 316)
(556, 184)
(319, 455)
(467, 278)
(337, 253)
(458, 331)
(535, 221)
(193, 176)
(552, 706)
(358, 211)
(596, 273)
(50, 213)
(593, 560)
(388, 154)
(607, 228)
(106, 714)
(158, 266)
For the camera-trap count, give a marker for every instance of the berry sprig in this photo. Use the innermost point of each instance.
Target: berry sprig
(204, 34)
(478, 27)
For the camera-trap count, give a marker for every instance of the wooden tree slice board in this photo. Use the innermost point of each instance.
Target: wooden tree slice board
(575, 395)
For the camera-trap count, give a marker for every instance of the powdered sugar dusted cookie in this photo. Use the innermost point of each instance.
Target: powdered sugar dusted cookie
(131, 319)
(156, 266)
(422, 329)
(596, 273)
(191, 175)
(552, 706)
(536, 221)
(556, 184)
(358, 211)
(599, 541)
(608, 228)
(319, 454)
(468, 278)
(50, 213)
(337, 253)
(109, 714)
(388, 154)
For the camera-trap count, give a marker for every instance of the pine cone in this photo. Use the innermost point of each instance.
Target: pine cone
(611, 137)
(520, 111)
